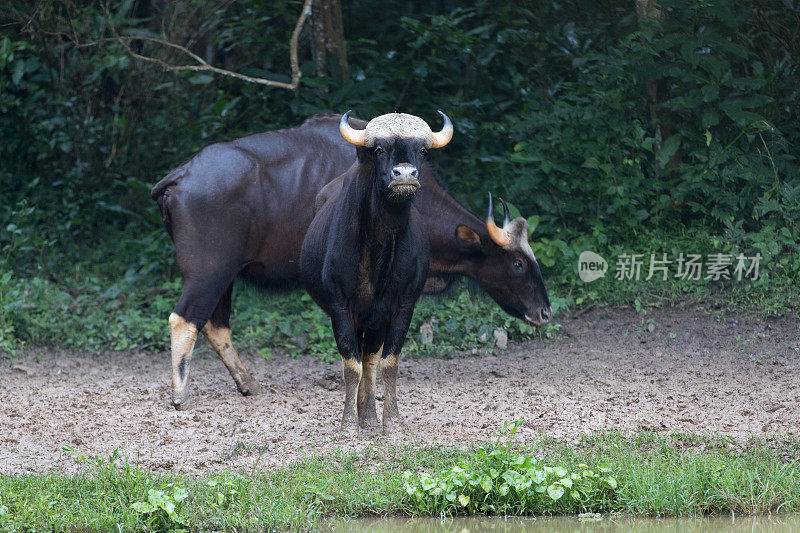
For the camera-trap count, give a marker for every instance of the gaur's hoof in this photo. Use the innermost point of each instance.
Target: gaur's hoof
(251, 388)
(185, 405)
(369, 422)
(181, 402)
(349, 432)
(393, 426)
(349, 427)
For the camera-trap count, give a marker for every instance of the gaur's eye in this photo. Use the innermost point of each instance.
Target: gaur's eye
(423, 152)
(518, 265)
(378, 150)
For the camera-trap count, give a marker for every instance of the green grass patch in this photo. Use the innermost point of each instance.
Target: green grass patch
(645, 474)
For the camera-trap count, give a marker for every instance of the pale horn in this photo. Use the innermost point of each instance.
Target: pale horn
(499, 236)
(350, 134)
(441, 138)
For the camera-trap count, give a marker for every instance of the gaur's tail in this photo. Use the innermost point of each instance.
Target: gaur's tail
(160, 193)
(170, 179)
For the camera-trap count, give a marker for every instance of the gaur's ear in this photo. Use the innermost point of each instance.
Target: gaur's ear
(468, 238)
(363, 154)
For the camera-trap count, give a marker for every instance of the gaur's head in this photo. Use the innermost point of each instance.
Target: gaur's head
(507, 268)
(396, 144)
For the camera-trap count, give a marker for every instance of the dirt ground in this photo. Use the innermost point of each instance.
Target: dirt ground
(671, 370)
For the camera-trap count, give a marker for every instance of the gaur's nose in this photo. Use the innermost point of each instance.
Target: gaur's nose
(405, 170)
(545, 313)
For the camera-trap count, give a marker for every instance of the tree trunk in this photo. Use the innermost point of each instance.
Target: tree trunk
(338, 46)
(656, 90)
(328, 36)
(648, 7)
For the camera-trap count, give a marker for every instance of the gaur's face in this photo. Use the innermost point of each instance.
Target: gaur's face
(397, 162)
(396, 144)
(515, 282)
(510, 274)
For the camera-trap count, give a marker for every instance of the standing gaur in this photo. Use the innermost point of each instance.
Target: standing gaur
(365, 257)
(243, 207)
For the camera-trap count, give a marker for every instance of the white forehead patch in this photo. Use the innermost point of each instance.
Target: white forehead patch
(398, 125)
(518, 229)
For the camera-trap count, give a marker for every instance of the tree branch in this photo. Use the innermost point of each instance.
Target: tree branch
(202, 65)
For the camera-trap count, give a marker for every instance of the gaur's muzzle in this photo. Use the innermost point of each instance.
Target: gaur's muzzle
(405, 179)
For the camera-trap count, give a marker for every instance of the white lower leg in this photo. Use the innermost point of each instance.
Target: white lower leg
(352, 377)
(367, 415)
(182, 336)
(220, 340)
(391, 414)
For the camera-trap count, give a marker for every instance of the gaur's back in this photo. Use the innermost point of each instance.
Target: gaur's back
(258, 191)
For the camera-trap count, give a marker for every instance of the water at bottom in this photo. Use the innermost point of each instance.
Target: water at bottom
(567, 524)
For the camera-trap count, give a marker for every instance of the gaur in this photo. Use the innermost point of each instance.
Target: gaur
(365, 257)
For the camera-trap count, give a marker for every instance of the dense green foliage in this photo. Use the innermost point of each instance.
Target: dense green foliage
(653, 475)
(551, 109)
(499, 480)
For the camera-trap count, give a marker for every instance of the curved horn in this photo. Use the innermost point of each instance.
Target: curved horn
(499, 236)
(350, 134)
(507, 217)
(441, 138)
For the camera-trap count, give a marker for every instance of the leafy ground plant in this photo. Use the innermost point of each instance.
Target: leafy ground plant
(499, 480)
(224, 492)
(163, 507)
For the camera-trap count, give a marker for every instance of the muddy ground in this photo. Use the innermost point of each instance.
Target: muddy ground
(608, 369)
